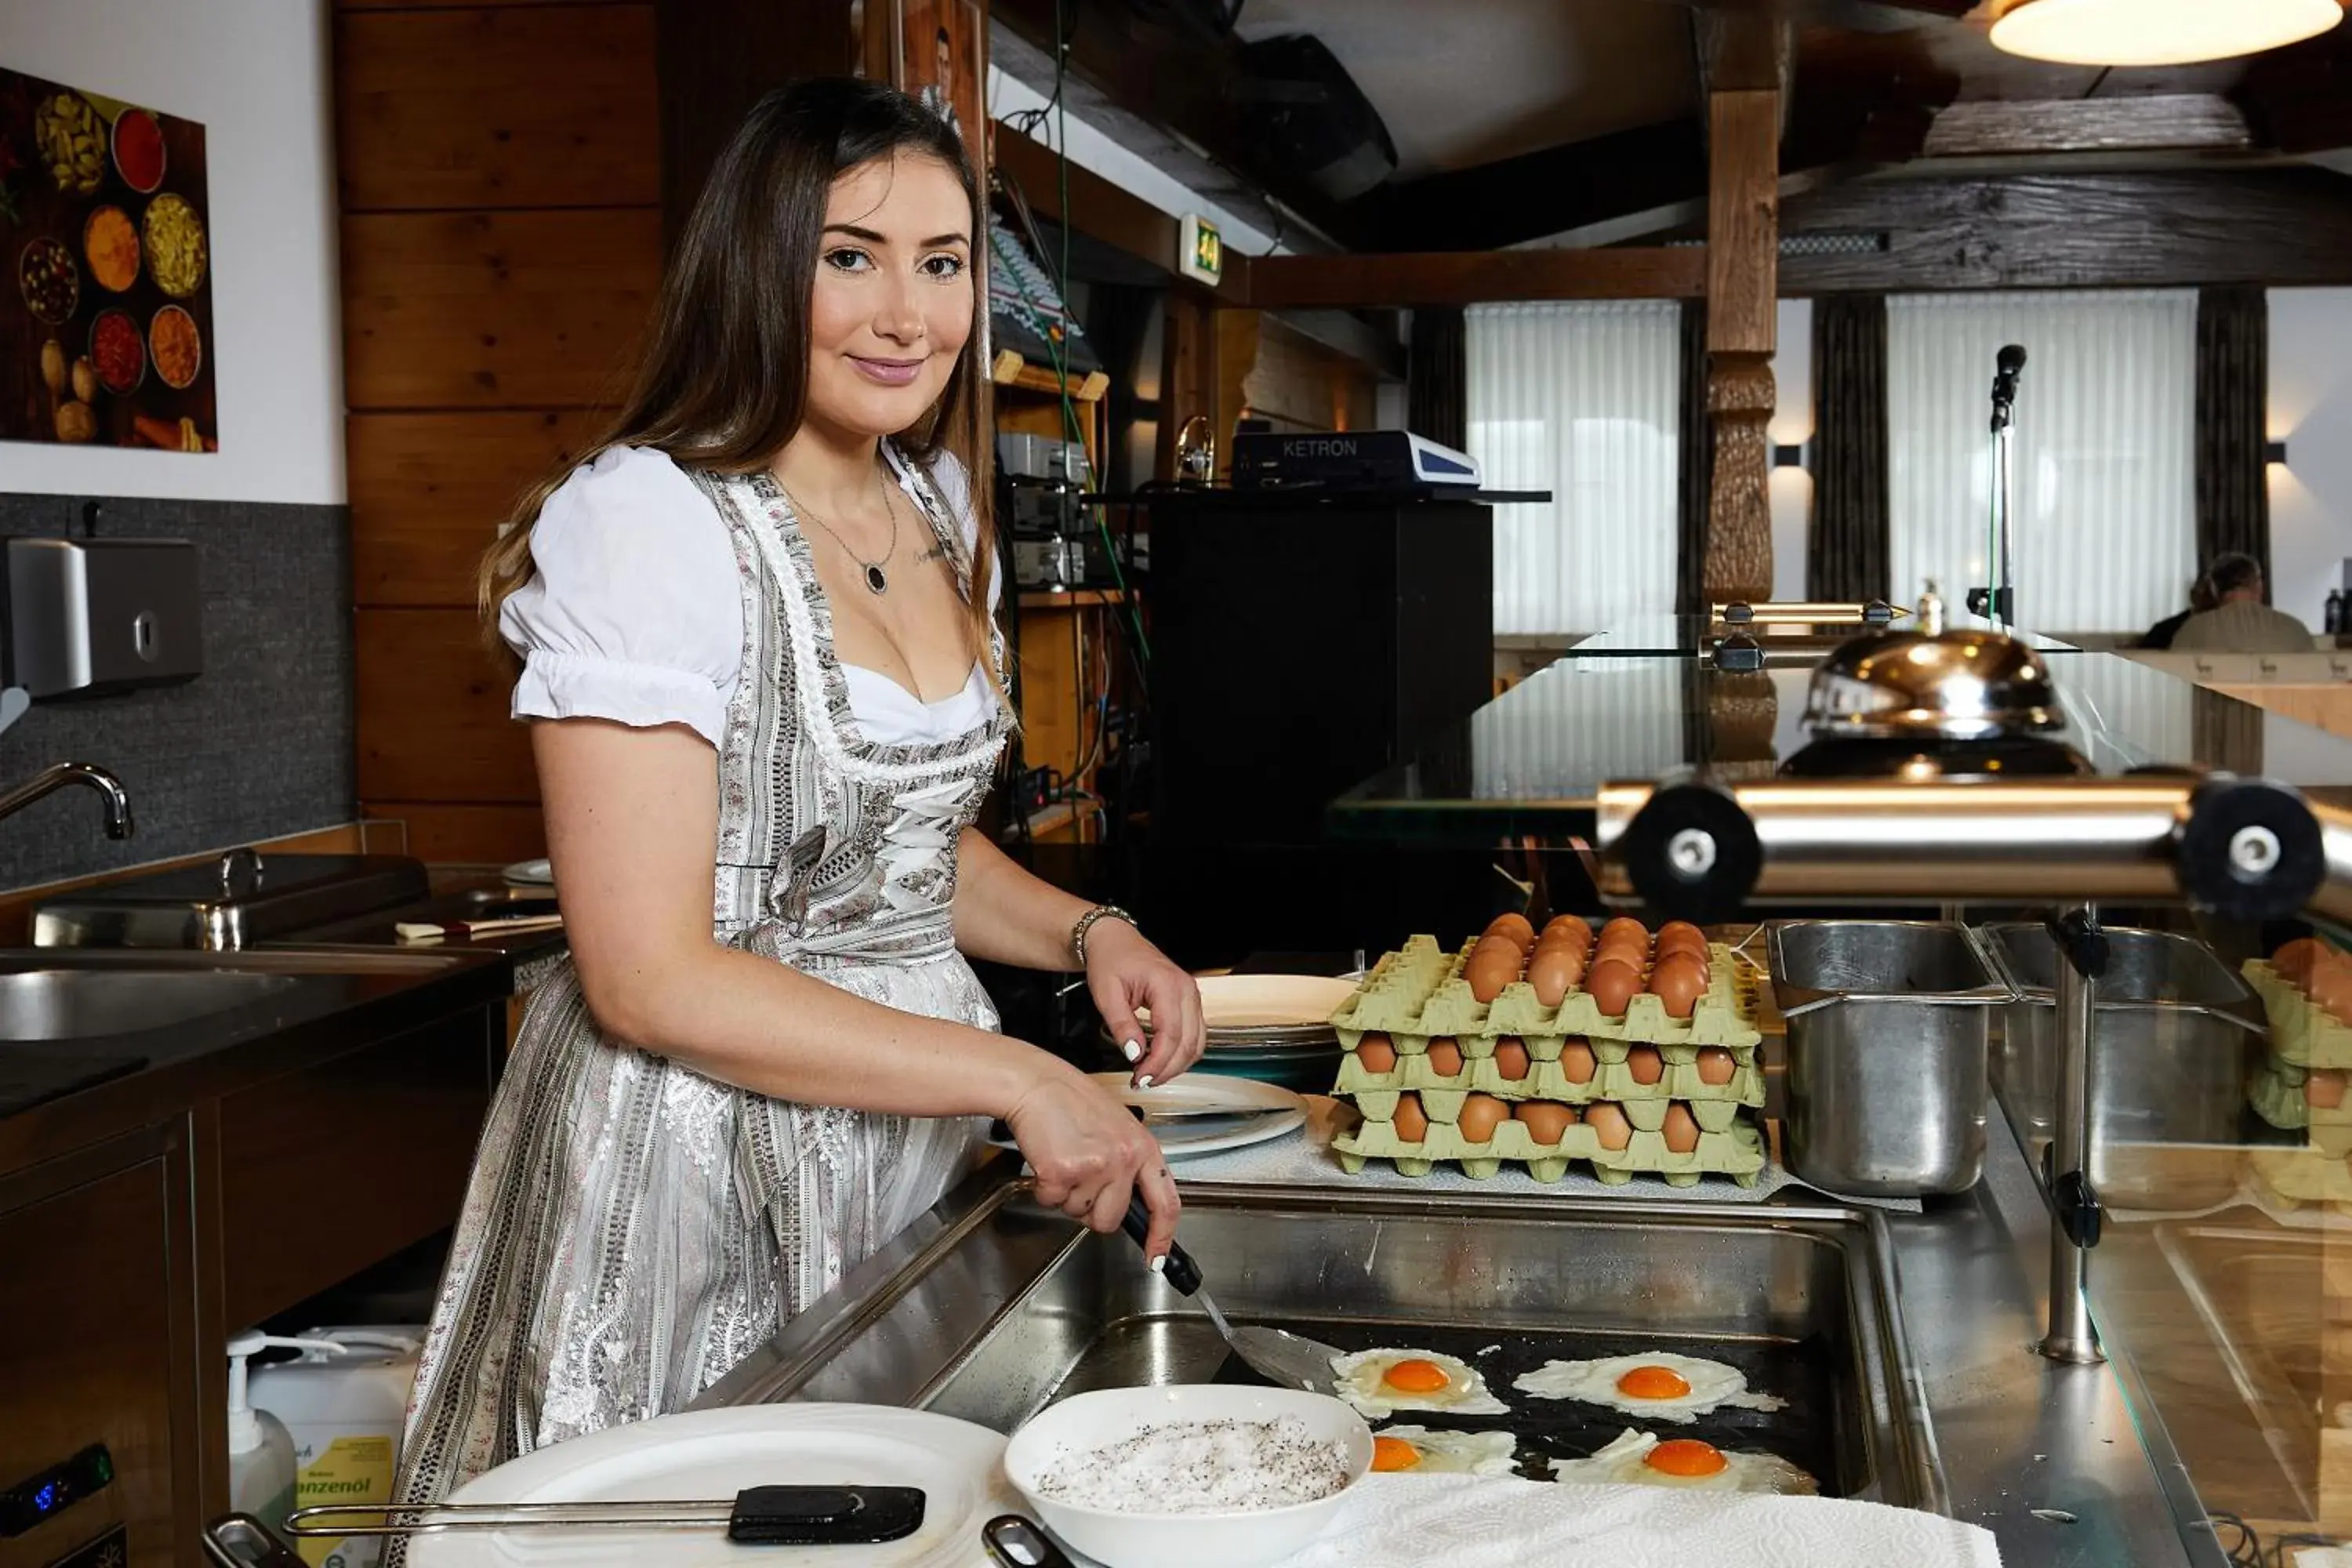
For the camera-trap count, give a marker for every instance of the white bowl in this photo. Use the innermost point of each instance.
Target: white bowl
(1122, 1540)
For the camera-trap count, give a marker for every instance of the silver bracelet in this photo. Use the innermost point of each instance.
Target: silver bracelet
(1087, 923)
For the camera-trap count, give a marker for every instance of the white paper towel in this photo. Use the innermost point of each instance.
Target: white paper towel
(1474, 1522)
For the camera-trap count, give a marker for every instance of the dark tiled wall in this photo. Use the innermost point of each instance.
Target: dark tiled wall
(258, 747)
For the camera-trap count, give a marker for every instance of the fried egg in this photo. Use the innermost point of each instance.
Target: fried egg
(1383, 1381)
(1662, 1384)
(1427, 1452)
(1639, 1458)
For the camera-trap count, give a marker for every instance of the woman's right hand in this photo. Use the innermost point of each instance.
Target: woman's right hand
(1088, 1153)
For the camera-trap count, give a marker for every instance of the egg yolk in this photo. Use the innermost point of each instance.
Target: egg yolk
(1681, 1457)
(1394, 1454)
(1653, 1382)
(1416, 1376)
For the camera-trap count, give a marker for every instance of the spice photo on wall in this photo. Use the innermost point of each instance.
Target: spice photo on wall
(106, 333)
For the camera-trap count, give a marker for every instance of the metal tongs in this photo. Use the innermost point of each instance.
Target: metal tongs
(757, 1516)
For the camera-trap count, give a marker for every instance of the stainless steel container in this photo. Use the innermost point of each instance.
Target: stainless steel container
(2172, 1036)
(1889, 1031)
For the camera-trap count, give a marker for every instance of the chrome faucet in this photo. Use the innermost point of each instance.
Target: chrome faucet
(48, 780)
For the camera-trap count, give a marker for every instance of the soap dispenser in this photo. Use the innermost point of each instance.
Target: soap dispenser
(260, 1450)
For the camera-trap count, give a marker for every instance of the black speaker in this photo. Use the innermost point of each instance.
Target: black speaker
(1308, 118)
(1300, 648)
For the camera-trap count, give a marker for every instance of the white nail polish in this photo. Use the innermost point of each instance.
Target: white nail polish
(1158, 1264)
(1143, 1082)
(1132, 1050)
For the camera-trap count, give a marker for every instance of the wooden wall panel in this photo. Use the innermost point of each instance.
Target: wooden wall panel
(495, 309)
(429, 491)
(517, 107)
(432, 722)
(473, 835)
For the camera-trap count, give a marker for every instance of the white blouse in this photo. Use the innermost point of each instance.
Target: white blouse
(634, 613)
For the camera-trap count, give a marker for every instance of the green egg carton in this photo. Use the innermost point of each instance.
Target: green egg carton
(2275, 1092)
(1443, 1108)
(2302, 1032)
(2294, 1176)
(1547, 1079)
(1736, 1153)
(1418, 993)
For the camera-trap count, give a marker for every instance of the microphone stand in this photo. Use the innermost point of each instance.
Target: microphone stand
(1998, 603)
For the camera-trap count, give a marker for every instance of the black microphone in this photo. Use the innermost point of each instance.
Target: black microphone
(2011, 362)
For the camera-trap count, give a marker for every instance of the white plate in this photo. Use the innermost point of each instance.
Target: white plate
(1271, 1112)
(530, 874)
(714, 1454)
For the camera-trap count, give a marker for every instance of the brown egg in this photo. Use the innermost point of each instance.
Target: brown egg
(1489, 973)
(1626, 923)
(2332, 988)
(1412, 1122)
(1611, 985)
(1511, 1057)
(1376, 1053)
(1504, 945)
(1689, 946)
(1681, 1128)
(2296, 959)
(1645, 1063)
(1515, 927)
(1677, 983)
(1444, 1056)
(1571, 928)
(1481, 1114)
(1547, 1121)
(1607, 1120)
(1716, 1066)
(1577, 1062)
(1623, 938)
(1681, 930)
(2324, 1090)
(1554, 972)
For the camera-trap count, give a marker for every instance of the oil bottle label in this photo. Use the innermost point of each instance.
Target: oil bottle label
(353, 1470)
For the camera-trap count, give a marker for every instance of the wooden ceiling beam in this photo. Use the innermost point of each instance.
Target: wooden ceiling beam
(1560, 189)
(2171, 121)
(1473, 278)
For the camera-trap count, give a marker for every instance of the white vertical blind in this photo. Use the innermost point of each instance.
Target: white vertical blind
(1580, 400)
(2105, 534)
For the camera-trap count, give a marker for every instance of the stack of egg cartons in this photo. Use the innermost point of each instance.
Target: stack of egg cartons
(1440, 1075)
(2299, 1083)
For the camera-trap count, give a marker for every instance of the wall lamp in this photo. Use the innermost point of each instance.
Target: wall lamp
(1794, 456)
(2275, 452)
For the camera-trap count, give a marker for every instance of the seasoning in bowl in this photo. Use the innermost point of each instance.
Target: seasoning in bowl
(116, 349)
(139, 150)
(1223, 1466)
(50, 280)
(111, 243)
(176, 253)
(178, 348)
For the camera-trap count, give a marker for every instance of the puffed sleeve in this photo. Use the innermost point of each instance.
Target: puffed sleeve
(955, 489)
(632, 613)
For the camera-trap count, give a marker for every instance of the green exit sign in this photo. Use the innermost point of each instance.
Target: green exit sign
(1200, 250)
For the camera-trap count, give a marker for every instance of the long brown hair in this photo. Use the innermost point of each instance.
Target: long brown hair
(724, 381)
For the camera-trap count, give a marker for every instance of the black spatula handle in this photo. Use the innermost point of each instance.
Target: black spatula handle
(1180, 1272)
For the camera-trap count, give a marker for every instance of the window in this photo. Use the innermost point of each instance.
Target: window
(2103, 456)
(1581, 400)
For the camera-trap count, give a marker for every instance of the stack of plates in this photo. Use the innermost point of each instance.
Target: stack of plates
(1274, 1028)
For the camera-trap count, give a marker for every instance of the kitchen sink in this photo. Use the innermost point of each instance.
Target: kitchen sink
(992, 1314)
(76, 1004)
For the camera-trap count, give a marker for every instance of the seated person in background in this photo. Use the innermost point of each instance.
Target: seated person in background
(2200, 598)
(2239, 621)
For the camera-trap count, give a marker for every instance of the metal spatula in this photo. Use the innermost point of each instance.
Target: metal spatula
(1291, 1360)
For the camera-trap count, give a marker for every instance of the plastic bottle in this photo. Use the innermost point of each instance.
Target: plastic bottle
(260, 1453)
(343, 1403)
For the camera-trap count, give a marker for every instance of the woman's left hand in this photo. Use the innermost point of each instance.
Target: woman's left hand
(1124, 972)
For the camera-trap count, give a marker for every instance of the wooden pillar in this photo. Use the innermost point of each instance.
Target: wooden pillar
(1743, 246)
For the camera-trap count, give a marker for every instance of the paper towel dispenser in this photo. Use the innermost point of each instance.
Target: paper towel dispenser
(88, 617)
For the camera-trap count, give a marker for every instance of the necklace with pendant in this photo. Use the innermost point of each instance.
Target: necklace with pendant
(878, 580)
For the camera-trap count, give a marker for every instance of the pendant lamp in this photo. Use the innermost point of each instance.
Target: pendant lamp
(2156, 32)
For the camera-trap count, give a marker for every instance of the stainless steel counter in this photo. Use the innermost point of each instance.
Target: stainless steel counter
(966, 1310)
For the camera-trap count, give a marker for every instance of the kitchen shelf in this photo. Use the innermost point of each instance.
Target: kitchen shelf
(1073, 599)
(1009, 369)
